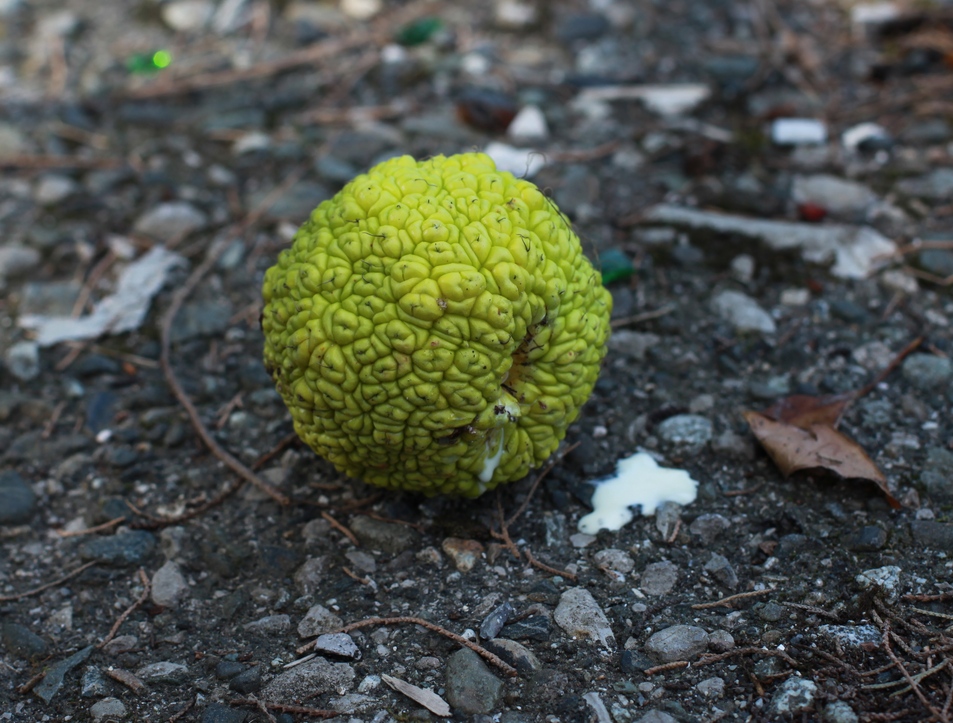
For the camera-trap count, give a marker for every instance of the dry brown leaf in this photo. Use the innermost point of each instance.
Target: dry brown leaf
(427, 698)
(815, 446)
(804, 411)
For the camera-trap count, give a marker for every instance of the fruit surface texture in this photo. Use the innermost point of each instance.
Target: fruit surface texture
(435, 327)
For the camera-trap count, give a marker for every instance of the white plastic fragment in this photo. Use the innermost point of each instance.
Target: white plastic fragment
(865, 17)
(122, 311)
(521, 162)
(665, 100)
(798, 132)
(529, 124)
(854, 136)
(427, 698)
(856, 251)
(638, 481)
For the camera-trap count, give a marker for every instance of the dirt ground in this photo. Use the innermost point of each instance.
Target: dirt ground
(142, 578)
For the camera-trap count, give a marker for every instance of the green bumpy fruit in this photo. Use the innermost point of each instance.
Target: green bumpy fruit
(435, 327)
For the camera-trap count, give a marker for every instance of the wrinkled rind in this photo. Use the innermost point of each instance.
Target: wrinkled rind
(413, 305)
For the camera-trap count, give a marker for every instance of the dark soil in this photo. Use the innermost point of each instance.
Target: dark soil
(252, 143)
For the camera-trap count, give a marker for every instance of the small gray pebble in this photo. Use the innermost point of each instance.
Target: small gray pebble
(23, 360)
(927, 372)
(794, 695)
(493, 623)
(19, 501)
(246, 682)
(687, 433)
(111, 709)
(678, 642)
(126, 548)
(471, 687)
(21, 642)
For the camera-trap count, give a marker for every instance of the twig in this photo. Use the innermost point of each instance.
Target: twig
(146, 589)
(676, 665)
(918, 677)
(155, 523)
(47, 162)
(166, 332)
(342, 529)
(482, 652)
(263, 709)
(47, 586)
(645, 316)
(333, 116)
(504, 532)
(134, 359)
(895, 362)
(186, 709)
(51, 422)
(759, 689)
(944, 616)
(585, 154)
(726, 601)
(746, 491)
(813, 610)
(309, 56)
(354, 576)
(914, 686)
(539, 478)
(126, 678)
(274, 451)
(95, 275)
(939, 597)
(675, 530)
(282, 708)
(31, 683)
(546, 568)
(709, 659)
(394, 521)
(92, 530)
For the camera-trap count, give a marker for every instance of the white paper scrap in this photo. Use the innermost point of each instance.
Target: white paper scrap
(119, 312)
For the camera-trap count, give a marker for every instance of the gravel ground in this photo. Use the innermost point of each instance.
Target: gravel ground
(827, 259)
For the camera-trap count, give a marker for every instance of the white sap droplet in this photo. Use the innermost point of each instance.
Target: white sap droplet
(491, 463)
(638, 481)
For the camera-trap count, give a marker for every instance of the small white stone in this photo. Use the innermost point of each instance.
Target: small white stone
(742, 267)
(361, 9)
(742, 312)
(899, 282)
(186, 16)
(476, 64)
(23, 360)
(251, 142)
(529, 124)
(795, 297)
(52, 189)
(515, 14)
